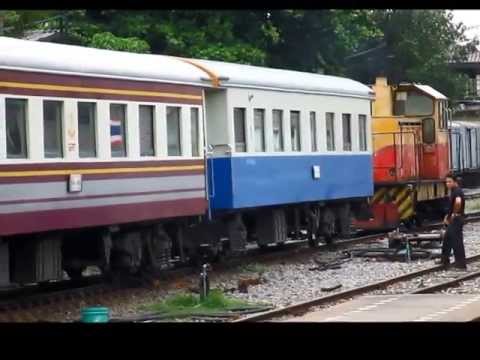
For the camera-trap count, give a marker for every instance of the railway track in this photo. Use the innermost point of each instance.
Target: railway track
(304, 307)
(27, 306)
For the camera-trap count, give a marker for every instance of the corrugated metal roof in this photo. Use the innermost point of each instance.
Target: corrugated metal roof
(474, 57)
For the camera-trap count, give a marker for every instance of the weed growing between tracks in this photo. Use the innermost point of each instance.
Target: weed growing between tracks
(187, 305)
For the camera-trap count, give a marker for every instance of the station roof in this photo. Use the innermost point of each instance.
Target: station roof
(70, 59)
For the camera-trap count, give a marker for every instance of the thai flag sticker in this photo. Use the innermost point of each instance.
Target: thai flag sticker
(116, 132)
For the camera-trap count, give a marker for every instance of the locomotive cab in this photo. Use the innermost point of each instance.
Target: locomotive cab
(410, 153)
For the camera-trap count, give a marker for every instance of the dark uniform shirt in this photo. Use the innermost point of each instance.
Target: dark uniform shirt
(456, 192)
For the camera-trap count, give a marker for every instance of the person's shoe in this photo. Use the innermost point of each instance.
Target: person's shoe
(442, 262)
(458, 267)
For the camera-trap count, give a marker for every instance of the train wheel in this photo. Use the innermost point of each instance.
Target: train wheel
(313, 227)
(74, 274)
(313, 240)
(328, 225)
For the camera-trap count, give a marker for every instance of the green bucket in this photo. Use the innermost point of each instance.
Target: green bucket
(95, 315)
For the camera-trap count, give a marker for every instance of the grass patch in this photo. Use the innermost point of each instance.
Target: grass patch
(184, 305)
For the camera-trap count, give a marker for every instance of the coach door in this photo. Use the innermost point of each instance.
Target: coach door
(429, 162)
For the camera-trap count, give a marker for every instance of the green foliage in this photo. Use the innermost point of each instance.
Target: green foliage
(106, 40)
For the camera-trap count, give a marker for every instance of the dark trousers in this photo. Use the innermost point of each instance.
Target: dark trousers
(454, 240)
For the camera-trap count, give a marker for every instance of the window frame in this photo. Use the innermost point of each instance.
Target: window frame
(24, 131)
(349, 133)
(264, 142)
(329, 120)
(59, 128)
(313, 132)
(281, 129)
(299, 130)
(93, 125)
(364, 118)
(153, 120)
(197, 110)
(180, 129)
(124, 133)
(244, 119)
(405, 112)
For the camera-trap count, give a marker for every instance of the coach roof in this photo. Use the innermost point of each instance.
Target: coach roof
(69, 59)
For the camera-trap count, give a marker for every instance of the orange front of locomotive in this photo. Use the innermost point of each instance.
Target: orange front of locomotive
(410, 153)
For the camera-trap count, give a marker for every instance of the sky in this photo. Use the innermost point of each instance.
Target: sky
(469, 18)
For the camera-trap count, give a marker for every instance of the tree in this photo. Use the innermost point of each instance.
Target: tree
(236, 36)
(419, 44)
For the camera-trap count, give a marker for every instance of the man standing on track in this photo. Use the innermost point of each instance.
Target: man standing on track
(454, 221)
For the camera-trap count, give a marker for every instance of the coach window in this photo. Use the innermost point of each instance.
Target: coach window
(145, 123)
(52, 128)
(239, 124)
(117, 130)
(313, 130)
(16, 117)
(277, 116)
(259, 119)
(330, 118)
(173, 131)
(347, 132)
(362, 131)
(87, 117)
(295, 129)
(194, 130)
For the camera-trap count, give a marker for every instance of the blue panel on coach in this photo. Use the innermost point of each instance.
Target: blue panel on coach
(251, 181)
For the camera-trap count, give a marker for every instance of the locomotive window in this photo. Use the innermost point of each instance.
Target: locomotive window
(145, 123)
(86, 129)
(412, 103)
(239, 124)
(16, 118)
(330, 131)
(347, 132)
(277, 130)
(313, 130)
(194, 131)
(259, 119)
(173, 131)
(295, 129)
(362, 128)
(52, 128)
(118, 136)
(428, 130)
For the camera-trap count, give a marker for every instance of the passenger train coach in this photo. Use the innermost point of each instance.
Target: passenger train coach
(128, 161)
